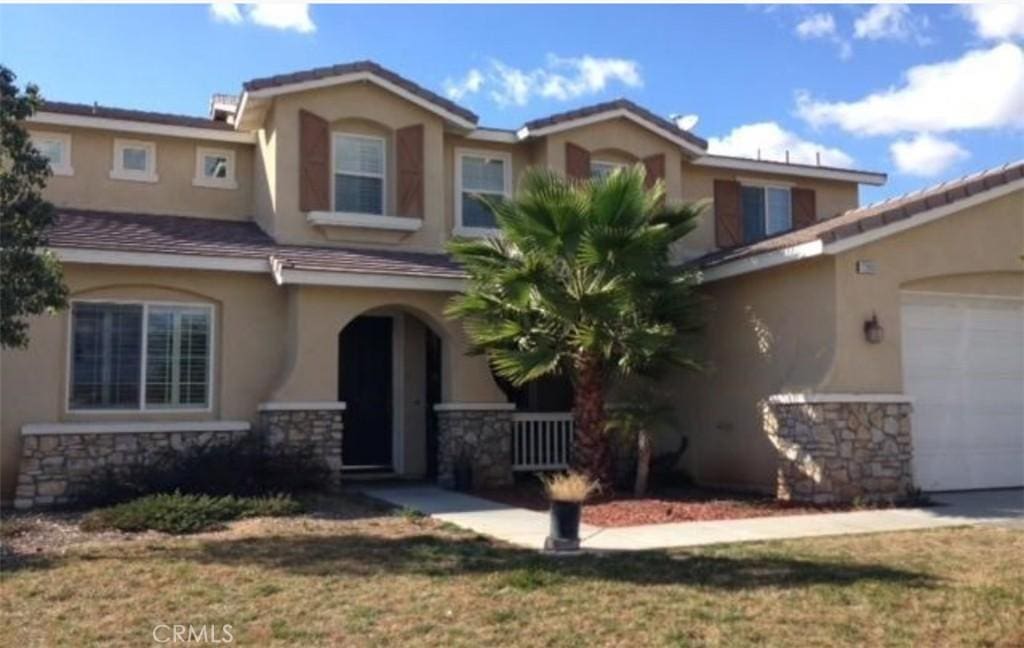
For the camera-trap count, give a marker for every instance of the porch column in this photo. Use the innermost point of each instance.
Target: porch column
(313, 427)
(835, 448)
(477, 436)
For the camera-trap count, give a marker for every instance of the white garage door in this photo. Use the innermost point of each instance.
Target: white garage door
(963, 363)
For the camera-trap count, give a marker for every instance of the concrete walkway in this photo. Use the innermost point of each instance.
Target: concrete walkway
(529, 528)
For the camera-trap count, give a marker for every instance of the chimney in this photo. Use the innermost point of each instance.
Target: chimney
(223, 107)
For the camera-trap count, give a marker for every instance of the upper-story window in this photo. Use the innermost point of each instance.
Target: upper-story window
(140, 356)
(56, 148)
(359, 174)
(767, 211)
(602, 169)
(480, 176)
(134, 160)
(215, 168)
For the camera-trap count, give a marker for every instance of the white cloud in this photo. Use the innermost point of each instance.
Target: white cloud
(470, 84)
(997, 21)
(891, 21)
(283, 16)
(772, 142)
(560, 79)
(226, 12)
(981, 89)
(823, 26)
(926, 155)
(817, 25)
(293, 16)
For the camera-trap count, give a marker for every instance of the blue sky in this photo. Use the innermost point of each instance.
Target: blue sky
(924, 93)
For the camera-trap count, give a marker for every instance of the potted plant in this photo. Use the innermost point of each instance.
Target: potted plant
(567, 492)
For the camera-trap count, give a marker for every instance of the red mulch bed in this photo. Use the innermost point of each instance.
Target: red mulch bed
(660, 507)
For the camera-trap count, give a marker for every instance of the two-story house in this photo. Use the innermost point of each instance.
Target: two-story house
(279, 269)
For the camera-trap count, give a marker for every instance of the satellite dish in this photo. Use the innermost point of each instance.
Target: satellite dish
(685, 122)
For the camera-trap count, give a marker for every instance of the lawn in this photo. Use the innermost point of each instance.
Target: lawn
(353, 574)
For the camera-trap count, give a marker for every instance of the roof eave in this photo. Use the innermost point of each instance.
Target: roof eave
(873, 178)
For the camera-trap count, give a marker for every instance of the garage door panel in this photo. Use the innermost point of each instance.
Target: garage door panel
(963, 362)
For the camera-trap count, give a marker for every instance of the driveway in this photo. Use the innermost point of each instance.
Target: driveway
(529, 528)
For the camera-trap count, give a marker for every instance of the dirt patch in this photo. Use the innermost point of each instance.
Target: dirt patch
(675, 505)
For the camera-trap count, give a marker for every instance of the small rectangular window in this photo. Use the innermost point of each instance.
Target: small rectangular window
(139, 356)
(215, 168)
(359, 172)
(483, 180)
(134, 160)
(56, 148)
(600, 169)
(767, 211)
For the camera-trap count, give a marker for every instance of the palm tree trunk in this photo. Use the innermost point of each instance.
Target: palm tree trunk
(643, 462)
(591, 456)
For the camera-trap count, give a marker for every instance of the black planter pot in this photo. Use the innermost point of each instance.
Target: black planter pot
(462, 475)
(565, 526)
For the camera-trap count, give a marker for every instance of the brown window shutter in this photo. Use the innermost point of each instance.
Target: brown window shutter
(314, 163)
(409, 148)
(728, 214)
(655, 167)
(577, 162)
(804, 208)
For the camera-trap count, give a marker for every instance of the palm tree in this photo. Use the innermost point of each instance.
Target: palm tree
(581, 282)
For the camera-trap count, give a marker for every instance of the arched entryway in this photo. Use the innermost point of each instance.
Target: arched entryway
(390, 377)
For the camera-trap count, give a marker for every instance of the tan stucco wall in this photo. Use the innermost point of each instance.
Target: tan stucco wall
(976, 251)
(765, 333)
(369, 109)
(91, 187)
(248, 317)
(831, 198)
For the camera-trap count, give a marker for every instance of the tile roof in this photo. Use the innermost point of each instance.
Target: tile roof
(107, 112)
(869, 217)
(617, 104)
(359, 66)
(128, 232)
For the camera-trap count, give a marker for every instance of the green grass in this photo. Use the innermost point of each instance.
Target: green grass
(359, 576)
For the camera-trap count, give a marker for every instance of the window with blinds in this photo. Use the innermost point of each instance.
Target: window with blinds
(483, 179)
(359, 174)
(139, 356)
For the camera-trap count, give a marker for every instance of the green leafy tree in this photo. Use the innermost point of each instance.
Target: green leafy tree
(31, 281)
(581, 282)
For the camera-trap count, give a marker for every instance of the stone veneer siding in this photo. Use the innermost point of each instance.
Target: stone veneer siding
(481, 435)
(299, 430)
(56, 468)
(835, 452)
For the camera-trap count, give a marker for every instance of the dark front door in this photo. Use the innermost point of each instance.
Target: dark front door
(365, 385)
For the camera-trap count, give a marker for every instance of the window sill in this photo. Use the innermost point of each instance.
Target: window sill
(476, 232)
(366, 221)
(62, 171)
(207, 183)
(134, 177)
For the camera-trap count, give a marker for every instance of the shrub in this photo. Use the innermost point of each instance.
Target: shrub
(180, 513)
(568, 487)
(243, 468)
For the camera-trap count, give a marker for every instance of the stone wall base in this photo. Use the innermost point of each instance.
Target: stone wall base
(837, 452)
(314, 430)
(57, 468)
(482, 439)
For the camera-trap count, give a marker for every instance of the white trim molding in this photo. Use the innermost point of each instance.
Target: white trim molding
(474, 407)
(134, 427)
(839, 397)
(762, 261)
(293, 406)
(202, 180)
(119, 172)
(159, 260)
(364, 221)
(147, 128)
(284, 276)
(800, 170)
(64, 139)
(493, 135)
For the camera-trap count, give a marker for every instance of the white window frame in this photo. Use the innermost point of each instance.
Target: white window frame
(764, 187)
(118, 172)
(143, 408)
(64, 139)
(460, 153)
(615, 165)
(202, 180)
(383, 175)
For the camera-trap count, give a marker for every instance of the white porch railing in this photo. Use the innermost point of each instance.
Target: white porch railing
(541, 440)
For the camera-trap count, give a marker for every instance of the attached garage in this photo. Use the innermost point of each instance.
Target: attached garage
(963, 365)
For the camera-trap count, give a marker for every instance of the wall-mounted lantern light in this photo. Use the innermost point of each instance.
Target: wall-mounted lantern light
(873, 331)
